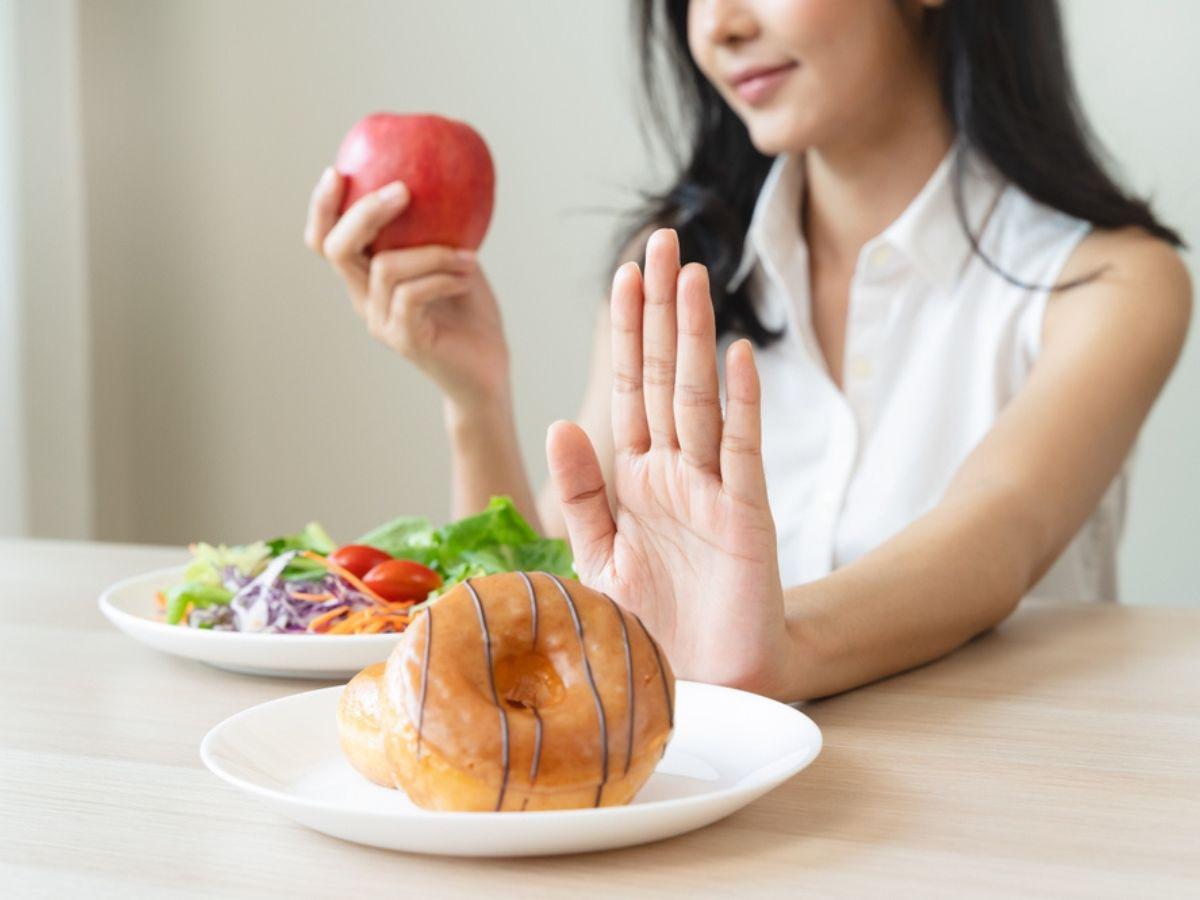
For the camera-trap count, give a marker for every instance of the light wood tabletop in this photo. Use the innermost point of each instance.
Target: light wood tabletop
(1056, 756)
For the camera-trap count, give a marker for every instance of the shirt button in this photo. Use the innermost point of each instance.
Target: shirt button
(880, 257)
(861, 367)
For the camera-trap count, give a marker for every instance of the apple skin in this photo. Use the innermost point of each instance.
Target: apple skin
(446, 166)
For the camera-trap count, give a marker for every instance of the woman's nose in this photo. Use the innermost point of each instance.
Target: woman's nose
(727, 21)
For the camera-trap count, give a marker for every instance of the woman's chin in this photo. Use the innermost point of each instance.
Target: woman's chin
(773, 135)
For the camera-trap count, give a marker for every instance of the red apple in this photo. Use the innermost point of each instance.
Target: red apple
(446, 166)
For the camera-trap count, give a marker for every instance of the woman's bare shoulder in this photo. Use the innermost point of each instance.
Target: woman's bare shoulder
(1130, 250)
(1137, 293)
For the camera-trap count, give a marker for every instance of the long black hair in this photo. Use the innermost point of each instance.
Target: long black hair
(1007, 89)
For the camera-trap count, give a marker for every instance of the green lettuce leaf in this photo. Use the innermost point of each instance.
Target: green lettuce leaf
(199, 594)
(210, 561)
(495, 540)
(406, 537)
(498, 525)
(301, 569)
(313, 537)
(545, 555)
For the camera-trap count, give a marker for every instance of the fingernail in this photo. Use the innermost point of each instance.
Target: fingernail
(392, 192)
(327, 173)
(466, 257)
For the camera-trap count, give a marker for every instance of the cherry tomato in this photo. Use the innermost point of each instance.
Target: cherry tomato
(358, 559)
(402, 580)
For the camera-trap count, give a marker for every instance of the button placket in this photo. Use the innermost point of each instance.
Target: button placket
(836, 471)
(853, 406)
(866, 325)
(787, 269)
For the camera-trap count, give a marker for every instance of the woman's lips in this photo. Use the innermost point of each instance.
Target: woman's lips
(757, 86)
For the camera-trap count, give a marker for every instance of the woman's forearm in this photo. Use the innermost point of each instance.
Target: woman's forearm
(486, 458)
(949, 576)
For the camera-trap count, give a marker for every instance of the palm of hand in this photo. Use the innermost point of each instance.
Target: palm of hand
(703, 556)
(690, 545)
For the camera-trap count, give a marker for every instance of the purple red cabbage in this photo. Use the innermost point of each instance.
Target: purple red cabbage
(268, 604)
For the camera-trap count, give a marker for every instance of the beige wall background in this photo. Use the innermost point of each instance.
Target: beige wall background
(235, 395)
(43, 261)
(1138, 71)
(12, 439)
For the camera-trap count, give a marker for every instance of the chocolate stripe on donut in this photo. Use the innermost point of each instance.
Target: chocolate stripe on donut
(662, 672)
(628, 679)
(424, 675)
(533, 615)
(537, 717)
(537, 746)
(587, 670)
(487, 649)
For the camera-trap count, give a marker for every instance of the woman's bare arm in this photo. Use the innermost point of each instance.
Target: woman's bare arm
(485, 458)
(1017, 501)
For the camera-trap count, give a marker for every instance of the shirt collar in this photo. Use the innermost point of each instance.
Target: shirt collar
(929, 233)
(776, 215)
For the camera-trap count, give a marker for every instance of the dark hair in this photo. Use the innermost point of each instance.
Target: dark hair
(1008, 92)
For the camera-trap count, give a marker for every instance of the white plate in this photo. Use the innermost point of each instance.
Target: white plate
(130, 605)
(729, 749)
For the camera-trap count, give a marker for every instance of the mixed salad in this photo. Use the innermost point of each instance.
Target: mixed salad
(306, 583)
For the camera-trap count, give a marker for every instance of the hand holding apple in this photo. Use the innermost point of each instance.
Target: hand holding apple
(400, 227)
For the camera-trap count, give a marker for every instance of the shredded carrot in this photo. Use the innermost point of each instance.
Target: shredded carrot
(318, 624)
(401, 609)
(383, 615)
(350, 624)
(316, 598)
(363, 621)
(161, 599)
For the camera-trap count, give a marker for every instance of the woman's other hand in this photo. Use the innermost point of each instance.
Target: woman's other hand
(431, 304)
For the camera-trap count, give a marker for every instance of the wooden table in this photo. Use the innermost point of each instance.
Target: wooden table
(1058, 756)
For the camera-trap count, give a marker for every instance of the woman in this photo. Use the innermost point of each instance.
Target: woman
(960, 320)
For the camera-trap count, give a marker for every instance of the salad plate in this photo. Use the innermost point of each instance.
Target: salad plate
(130, 605)
(301, 606)
(729, 748)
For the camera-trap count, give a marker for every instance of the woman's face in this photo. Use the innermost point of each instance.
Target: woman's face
(804, 73)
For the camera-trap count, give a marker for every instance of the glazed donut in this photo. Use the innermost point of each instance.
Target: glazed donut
(517, 691)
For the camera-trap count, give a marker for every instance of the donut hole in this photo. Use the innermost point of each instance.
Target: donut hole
(528, 681)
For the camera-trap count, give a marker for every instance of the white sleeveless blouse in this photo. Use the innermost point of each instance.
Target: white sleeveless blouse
(936, 345)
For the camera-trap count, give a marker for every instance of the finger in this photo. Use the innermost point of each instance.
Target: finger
(658, 335)
(741, 438)
(630, 431)
(697, 397)
(389, 268)
(408, 300)
(346, 244)
(578, 481)
(323, 207)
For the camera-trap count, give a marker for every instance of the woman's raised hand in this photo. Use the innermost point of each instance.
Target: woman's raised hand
(432, 304)
(690, 545)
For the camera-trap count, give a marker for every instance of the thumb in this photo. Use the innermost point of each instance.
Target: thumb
(577, 479)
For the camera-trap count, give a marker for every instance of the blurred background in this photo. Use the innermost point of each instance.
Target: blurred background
(175, 365)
